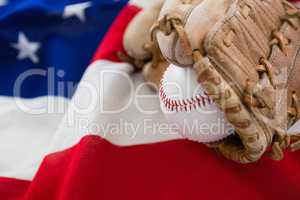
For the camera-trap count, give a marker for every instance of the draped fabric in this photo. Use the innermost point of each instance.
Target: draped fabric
(62, 145)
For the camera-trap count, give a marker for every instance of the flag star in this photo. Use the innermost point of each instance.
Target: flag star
(77, 10)
(3, 2)
(26, 48)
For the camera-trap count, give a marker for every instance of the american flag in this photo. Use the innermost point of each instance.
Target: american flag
(60, 137)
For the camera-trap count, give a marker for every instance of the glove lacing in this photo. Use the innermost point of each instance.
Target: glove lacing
(281, 139)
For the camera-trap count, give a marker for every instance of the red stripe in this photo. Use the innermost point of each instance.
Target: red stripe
(12, 189)
(177, 170)
(113, 41)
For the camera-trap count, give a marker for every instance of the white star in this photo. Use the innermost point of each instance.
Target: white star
(3, 2)
(26, 48)
(77, 10)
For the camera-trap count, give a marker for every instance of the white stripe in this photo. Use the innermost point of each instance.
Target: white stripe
(117, 89)
(25, 138)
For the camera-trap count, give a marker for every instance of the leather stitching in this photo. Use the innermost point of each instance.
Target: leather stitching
(199, 101)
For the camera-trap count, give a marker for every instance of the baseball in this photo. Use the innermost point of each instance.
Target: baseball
(189, 109)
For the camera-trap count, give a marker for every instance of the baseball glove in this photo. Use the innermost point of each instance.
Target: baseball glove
(246, 54)
(141, 50)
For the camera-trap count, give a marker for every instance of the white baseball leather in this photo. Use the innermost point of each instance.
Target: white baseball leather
(189, 110)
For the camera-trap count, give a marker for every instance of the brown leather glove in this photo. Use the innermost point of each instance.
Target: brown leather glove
(247, 56)
(142, 51)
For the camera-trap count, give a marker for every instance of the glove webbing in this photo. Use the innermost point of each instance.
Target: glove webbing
(281, 139)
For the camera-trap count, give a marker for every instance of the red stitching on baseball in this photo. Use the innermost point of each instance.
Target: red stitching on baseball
(184, 104)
